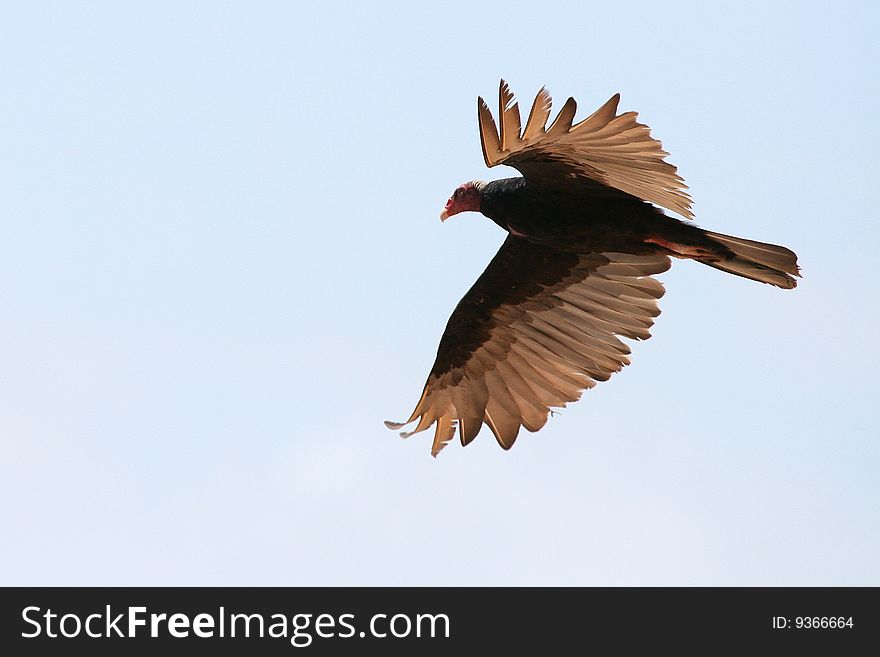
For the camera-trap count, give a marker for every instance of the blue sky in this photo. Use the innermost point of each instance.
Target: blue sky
(223, 269)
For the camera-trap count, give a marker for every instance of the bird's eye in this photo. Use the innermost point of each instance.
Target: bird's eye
(458, 193)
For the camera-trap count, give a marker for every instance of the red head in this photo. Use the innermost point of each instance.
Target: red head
(464, 199)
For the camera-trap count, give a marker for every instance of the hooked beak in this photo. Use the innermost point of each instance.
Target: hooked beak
(446, 214)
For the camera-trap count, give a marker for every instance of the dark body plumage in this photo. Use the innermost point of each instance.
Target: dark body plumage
(587, 233)
(586, 217)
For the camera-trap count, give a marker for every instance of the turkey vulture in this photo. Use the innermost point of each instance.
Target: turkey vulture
(585, 236)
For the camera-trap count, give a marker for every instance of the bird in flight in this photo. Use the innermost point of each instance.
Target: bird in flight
(586, 234)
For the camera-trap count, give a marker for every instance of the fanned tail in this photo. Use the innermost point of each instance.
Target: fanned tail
(767, 263)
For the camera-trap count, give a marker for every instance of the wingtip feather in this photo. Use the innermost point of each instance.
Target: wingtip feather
(490, 141)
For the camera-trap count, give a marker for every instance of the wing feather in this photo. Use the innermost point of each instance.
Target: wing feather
(556, 371)
(443, 434)
(545, 391)
(538, 116)
(489, 139)
(502, 423)
(510, 121)
(562, 124)
(531, 410)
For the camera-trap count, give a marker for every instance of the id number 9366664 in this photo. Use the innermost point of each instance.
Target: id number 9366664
(813, 623)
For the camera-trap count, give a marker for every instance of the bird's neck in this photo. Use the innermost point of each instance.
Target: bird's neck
(499, 199)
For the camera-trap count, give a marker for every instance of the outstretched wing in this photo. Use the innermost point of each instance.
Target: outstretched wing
(609, 148)
(537, 328)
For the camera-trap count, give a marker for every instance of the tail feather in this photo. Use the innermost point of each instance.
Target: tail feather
(767, 263)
